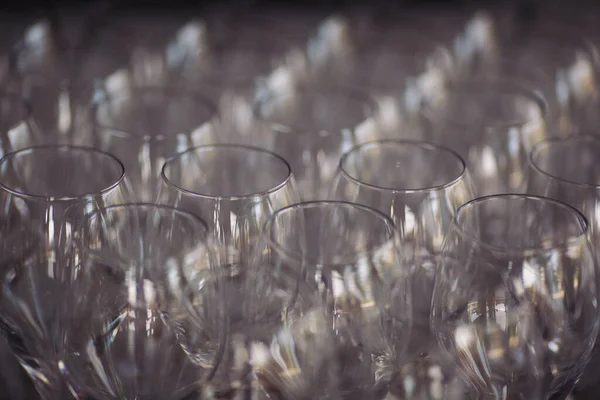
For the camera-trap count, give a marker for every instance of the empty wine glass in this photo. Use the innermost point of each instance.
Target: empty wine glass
(492, 124)
(515, 298)
(59, 79)
(568, 59)
(312, 127)
(235, 79)
(232, 187)
(280, 338)
(399, 79)
(43, 190)
(144, 126)
(419, 185)
(129, 272)
(347, 253)
(567, 169)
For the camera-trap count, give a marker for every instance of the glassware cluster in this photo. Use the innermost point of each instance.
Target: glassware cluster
(369, 206)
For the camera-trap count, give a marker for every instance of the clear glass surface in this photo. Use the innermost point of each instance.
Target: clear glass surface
(144, 126)
(129, 270)
(492, 124)
(515, 298)
(346, 255)
(420, 186)
(312, 127)
(44, 190)
(567, 169)
(234, 188)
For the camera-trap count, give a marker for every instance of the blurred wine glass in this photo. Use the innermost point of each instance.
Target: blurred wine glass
(492, 124)
(129, 272)
(562, 52)
(419, 185)
(144, 126)
(43, 191)
(311, 127)
(60, 77)
(515, 298)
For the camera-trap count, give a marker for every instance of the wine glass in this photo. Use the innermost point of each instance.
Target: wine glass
(232, 187)
(144, 126)
(399, 78)
(280, 339)
(311, 127)
(515, 297)
(347, 254)
(564, 53)
(59, 79)
(566, 169)
(129, 272)
(43, 191)
(492, 124)
(419, 185)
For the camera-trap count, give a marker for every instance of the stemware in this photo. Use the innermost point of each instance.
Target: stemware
(130, 268)
(568, 58)
(43, 190)
(312, 127)
(419, 185)
(347, 255)
(399, 79)
(234, 79)
(59, 79)
(567, 169)
(143, 126)
(233, 187)
(515, 297)
(492, 124)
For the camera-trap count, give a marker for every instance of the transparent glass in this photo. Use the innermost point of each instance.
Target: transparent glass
(58, 72)
(129, 270)
(347, 255)
(492, 124)
(419, 185)
(398, 80)
(18, 130)
(515, 297)
(312, 127)
(567, 169)
(233, 187)
(44, 190)
(144, 126)
(568, 60)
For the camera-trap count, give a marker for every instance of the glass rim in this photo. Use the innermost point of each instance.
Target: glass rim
(550, 142)
(150, 206)
(62, 148)
(404, 142)
(133, 91)
(484, 84)
(254, 149)
(515, 196)
(344, 91)
(389, 223)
